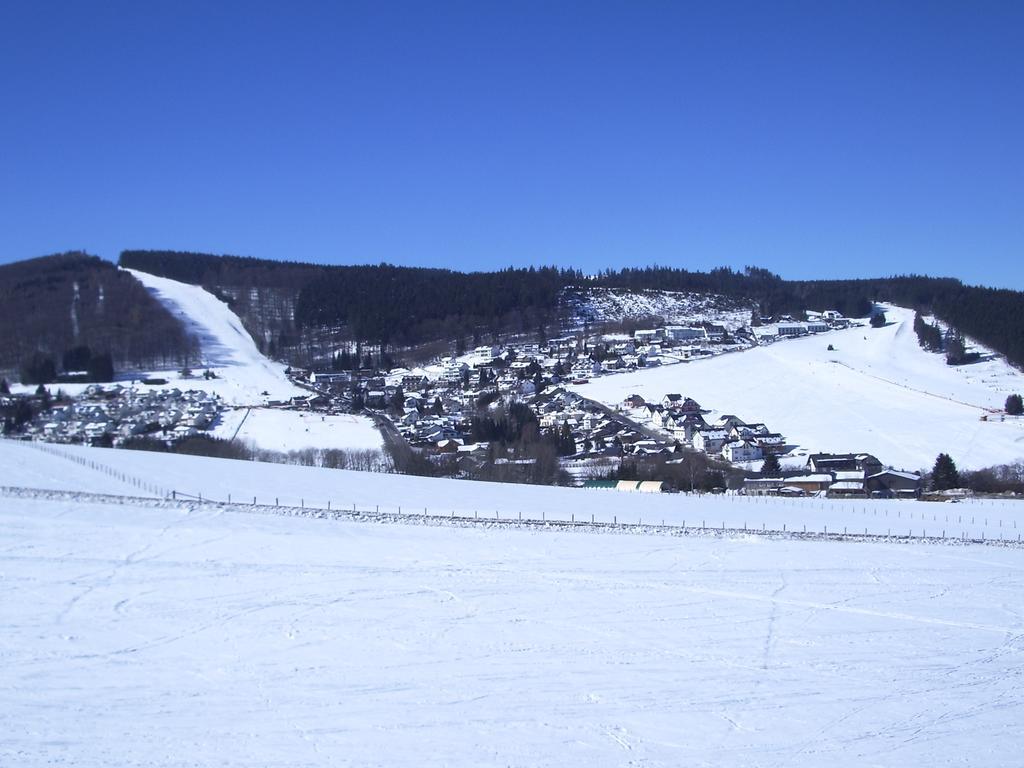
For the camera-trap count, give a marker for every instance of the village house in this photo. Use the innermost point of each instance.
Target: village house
(840, 462)
(710, 441)
(771, 443)
(728, 422)
(680, 333)
(715, 332)
(892, 484)
(791, 329)
(848, 483)
(741, 450)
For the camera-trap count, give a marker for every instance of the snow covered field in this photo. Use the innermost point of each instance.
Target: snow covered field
(281, 430)
(878, 391)
(140, 636)
(289, 485)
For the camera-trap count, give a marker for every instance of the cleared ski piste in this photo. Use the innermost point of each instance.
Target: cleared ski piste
(876, 392)
(135, 635)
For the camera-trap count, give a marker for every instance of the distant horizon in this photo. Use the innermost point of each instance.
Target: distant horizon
(586, 271)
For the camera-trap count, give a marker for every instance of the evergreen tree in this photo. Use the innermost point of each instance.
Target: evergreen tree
(566, 442)
(76, 359)
(771, 467)
(956, 353)
(38, 369)
(398, 401)
(1014, 404)
(944, 473)
(878, 319)
(5, 388)
(538, 382)
(438, 409)
(101, 368)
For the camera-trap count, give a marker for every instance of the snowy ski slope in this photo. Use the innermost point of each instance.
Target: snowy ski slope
(133, 635)
(226, 347)
(878, 391)
(246, 378)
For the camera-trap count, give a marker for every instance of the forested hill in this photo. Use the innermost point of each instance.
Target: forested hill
(72, 308)
(383, 304)
(404, 305)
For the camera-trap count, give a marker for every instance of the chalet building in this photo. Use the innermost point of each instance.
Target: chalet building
(791, 329)
(728, 422)
(772, 442)
(890, 484)
(715, 332)
(672, 402)
(646, 337)
(741, 450)
(687, 424)
(744, 431)
(330, 379)
(848, 483)
(844, 462)
(690, 405)
(414, 383)
(680, 333)
(710, 440)
(810, 483)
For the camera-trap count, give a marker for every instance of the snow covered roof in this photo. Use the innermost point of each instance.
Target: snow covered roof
(850, 475)
(895, 473)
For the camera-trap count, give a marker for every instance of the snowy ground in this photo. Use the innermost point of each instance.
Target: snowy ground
(878, 391)
(298, 486)
(140, 636)
(286, 430)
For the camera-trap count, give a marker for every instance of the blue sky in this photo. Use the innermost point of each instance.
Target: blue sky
(816, 139)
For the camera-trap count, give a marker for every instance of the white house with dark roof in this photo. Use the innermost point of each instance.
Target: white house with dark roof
(710, 440)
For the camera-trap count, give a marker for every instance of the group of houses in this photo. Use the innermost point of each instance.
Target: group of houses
(817, 322)
(432, 406)
(112, 414)
(682, 419)
(839, 475)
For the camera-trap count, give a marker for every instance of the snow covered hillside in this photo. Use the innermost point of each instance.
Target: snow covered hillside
(311, 487)
(877, 391)
(599, 305)
(135, 635)
(280, 430)
(245, 377)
